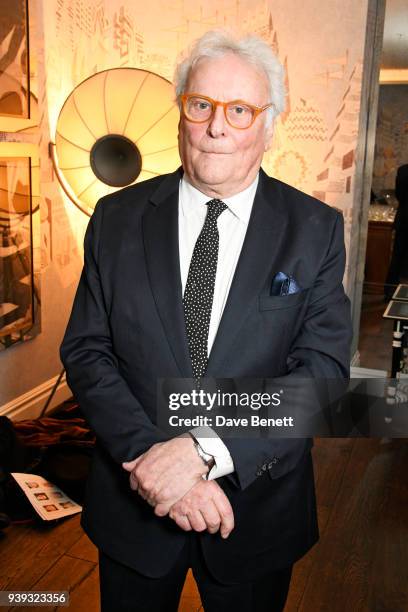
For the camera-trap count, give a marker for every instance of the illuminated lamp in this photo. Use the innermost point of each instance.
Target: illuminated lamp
(116, 128)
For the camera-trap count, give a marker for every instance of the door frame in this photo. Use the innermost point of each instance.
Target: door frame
(364, 163)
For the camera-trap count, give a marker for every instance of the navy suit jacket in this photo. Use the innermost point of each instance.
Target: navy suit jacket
(127, 329)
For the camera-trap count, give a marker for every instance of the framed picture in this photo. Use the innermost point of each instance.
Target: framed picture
(20, 257)
(18, 104)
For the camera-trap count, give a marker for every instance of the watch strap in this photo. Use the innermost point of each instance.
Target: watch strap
(207, 459)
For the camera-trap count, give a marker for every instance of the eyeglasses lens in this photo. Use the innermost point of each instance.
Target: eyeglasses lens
(200, 109)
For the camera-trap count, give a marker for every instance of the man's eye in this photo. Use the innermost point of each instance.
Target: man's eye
(201, 105)
(239, 110)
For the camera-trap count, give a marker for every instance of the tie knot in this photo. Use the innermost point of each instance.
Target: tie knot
(215, 208)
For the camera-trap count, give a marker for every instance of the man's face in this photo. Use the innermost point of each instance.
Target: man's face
(217, 158)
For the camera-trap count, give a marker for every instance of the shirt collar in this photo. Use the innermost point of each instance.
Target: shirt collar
(192, 200)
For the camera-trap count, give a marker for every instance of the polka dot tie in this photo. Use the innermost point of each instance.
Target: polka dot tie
(199, 290)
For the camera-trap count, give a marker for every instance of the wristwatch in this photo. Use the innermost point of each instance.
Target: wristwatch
(207, 459)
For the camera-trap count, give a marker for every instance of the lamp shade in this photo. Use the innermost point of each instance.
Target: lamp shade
(116, 128)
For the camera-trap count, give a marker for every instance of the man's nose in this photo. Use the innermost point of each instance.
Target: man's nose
(218, 123)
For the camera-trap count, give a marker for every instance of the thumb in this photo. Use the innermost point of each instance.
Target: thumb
(130, 465)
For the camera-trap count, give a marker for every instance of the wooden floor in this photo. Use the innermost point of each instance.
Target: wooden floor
(360, 563)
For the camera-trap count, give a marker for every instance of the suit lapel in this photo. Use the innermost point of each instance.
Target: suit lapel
(160, 233)
(263, 240)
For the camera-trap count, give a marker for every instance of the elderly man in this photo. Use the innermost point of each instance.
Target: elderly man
(180, 281)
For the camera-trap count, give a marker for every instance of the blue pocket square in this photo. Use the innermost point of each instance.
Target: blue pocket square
(282, 284)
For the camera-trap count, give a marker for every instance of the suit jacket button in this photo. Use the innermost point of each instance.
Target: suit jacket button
(272, 463)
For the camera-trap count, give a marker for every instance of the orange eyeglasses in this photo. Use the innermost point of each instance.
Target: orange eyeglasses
(239, 114)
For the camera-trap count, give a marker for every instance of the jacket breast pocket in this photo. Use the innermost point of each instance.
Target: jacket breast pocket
(278, 302)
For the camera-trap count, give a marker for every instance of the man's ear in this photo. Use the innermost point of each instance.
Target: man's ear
(269, 134)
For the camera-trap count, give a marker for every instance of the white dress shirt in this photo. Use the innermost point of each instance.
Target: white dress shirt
(232, 227)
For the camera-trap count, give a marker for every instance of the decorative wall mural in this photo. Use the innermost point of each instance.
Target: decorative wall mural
(128, 136)
(19, 244)
(293, 162)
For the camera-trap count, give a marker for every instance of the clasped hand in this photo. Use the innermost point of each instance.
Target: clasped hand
(169, 477)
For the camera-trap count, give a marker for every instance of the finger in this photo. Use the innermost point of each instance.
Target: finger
(146, 495)
(134, 482)
(184, 523)
(135, 485)
(162, 510)
(181, 520)
(211, 517)
(150, 501)
(227, 515)
(130, 465)
(196, 520)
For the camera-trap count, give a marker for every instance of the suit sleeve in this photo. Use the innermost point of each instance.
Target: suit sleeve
(110, 407)
(320, 350)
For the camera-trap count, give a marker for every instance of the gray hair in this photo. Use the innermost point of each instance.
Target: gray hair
(251, 48)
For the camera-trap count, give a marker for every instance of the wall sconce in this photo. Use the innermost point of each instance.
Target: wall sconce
(116, 128)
